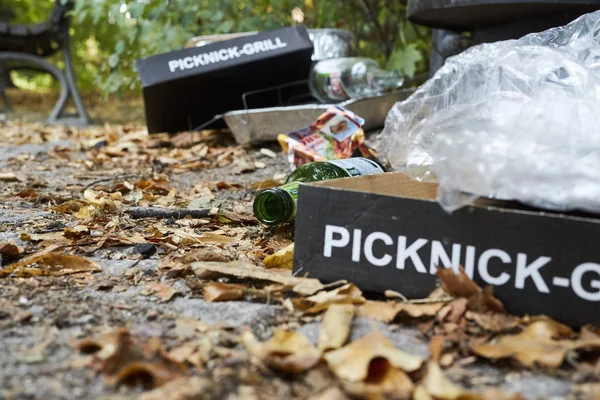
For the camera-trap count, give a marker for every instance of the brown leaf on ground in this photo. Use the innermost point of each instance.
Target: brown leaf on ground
(335, 327)
(8, 177)
(283, 259)
(460, 285)
(388, 311)
(180, 389)
(494, 322)
(28, 193)
(77, 232)
(542, 343)
(164, 292)
(589, 391)
(239, 269)
(287, 351)
(196, 352)
(352, 362)
(372, 366)
(9, 252)
(436, 385)
(51, 263)
(70, 207)
(54, 237)
(214, 292)
(453, 311)
(154, 186)
(457, 284)
(346, 294)
(130, 360)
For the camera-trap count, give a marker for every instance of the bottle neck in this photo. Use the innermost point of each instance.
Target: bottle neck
(385, 79)
(274, 206)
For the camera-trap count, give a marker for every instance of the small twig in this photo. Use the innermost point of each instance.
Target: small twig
(167, 213)
(114, 178)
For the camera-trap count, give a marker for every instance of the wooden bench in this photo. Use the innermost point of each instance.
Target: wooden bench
(490, 20)
(28, 46)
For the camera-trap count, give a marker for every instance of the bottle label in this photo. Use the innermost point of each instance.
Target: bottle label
(335, 90)
(291, 188)
(358, 166)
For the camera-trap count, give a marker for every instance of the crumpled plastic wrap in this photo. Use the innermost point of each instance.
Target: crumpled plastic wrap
(517, 119)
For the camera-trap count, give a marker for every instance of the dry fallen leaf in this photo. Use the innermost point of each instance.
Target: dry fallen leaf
(460, 285)
(70, 207)
(196, 352)
(238, 269)
(351, 362)
(283, 259)
(372, 367)
(214, 292)
(9, 252)
(164, 292)
(543, 343)
(286, 351)
(51, 263)
(126, 359)
(8, 177)
(28, 193)
(346, 294)
(76, 232)
(336, 325)
(388, 311)
(437, 385)
(494, 322)
(180, 389)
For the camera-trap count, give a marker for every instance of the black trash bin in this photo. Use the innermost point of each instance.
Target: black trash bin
(490, 20)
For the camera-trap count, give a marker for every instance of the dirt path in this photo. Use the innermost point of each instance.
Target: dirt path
(41, 317)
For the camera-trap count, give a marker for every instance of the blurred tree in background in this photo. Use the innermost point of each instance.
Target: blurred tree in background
(109, 35)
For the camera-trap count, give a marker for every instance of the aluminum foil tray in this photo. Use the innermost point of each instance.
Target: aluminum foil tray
(264, 124)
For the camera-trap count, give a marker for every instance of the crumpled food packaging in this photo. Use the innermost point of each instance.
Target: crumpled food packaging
(336, 134)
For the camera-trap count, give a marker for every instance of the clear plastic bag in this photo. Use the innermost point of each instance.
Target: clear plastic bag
(518, 119)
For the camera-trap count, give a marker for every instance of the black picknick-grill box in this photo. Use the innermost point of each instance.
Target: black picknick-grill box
(187, 88)
(387, 231)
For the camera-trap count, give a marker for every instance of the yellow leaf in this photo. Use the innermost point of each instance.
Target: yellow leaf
(286, 351)
(283, 259)
(336, 325)
(352, 362)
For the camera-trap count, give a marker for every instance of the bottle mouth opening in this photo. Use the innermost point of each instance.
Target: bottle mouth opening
(272, 207)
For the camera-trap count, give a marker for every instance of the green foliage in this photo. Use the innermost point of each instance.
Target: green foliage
(109, 35)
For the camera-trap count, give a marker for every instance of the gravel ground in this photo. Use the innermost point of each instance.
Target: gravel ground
(39, 320)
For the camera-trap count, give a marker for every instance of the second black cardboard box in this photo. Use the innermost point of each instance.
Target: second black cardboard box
(184, 89)
(388, 232)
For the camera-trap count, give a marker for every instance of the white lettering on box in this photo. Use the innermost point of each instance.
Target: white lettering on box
(378, 261)
(280, 44)
(356, 245)
(483, 270)
(222, 55)
(577, 276)
(248, 49)
(532, 270)
(173, 65)
(470, 262)
(330, 242)
(188, 62)
(438, 253)
(260, 47)
(411, 252)
(198, 60)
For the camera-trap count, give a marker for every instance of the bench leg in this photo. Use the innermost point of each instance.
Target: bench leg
(4, 84)
(72, 90)
(42, 65)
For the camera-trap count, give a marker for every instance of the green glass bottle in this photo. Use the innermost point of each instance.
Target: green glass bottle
(278, 205)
